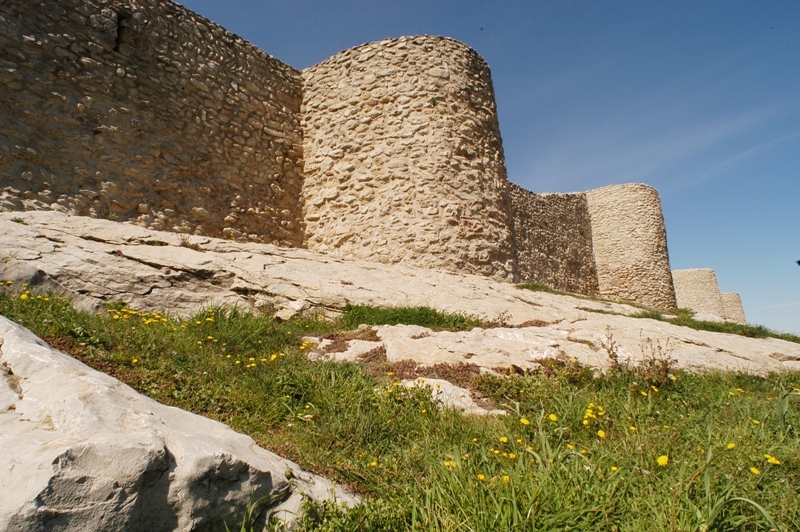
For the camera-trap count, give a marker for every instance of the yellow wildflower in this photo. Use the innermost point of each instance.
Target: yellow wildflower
(481, 476)
(506, 478)
(614, 468)
(632, 428)
(662, 460)
(772, 460)
(730, 446)
(373, 464)
(134, 361)
(601, 433)
(524, 421)
(552, 417)
(755, 422)
(503, 439)
(755, 471)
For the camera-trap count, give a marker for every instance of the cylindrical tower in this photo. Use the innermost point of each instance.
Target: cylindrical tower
(403, 158)
(697, 289)
(629, 241)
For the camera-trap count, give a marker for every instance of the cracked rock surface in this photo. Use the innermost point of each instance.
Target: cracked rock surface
(82, 451)
(99, 260)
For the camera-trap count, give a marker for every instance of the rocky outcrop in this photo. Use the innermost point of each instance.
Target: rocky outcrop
(82, 451)
(149, 270)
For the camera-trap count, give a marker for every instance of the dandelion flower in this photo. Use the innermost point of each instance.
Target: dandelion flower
(513, 456)
(552, 417)
(632, 428)
(772, 460)
(755, 471)
(601, 433)
(614, 468)
(644, 393)
(373, 464)
(474, 440)
(730, 446)
(524, 421)
(24, 296)
(755, 422)
(503, 439)
(134, 361)
(662, 460)
(570, 446)
(481, 476)
(506, 478)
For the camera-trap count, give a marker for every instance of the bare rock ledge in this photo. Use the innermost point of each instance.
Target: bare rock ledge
(82, 451)
(96, 260)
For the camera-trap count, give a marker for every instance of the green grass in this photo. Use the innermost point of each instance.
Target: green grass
(355, 315)
(421, 467)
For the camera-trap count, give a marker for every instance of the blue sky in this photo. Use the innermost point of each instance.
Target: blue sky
(699, 99)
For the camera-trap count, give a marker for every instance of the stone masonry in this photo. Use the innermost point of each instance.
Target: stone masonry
(697, 289)
(144, 112)
(553, 233)
(404, 161)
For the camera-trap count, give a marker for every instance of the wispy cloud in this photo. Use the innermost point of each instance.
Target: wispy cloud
(615, 152)
(782, 305)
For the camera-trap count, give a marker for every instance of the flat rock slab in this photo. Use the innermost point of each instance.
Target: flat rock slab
(82, 451)
(99, 260)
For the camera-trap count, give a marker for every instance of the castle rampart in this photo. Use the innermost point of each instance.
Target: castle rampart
(404, 161)
(144, 111)
(553, 235)
(697, 289)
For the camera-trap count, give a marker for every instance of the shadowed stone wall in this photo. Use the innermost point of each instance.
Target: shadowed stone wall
(553, 236)
(404, 161)
(144, 111)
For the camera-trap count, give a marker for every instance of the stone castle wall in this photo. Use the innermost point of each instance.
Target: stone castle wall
(697, 289)
(144, 111)
(553, 235)
(732, 305)
(403, 158)
(629, 240)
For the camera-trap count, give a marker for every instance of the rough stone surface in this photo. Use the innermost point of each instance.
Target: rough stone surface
(142, 111)
(145, 111)
(553, 236)
(732, 305)
(82, 451)
(403, 158)
(104, 260)
(629, 240)
(697, 289)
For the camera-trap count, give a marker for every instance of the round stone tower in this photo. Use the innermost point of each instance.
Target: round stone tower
(403, 160)
(629, 241)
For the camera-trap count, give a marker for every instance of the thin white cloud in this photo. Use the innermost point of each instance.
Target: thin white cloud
(782, 305)
(613, 154)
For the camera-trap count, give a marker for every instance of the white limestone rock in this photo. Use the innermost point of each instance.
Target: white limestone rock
(448, 394)
(99, 260)
(82, 451)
